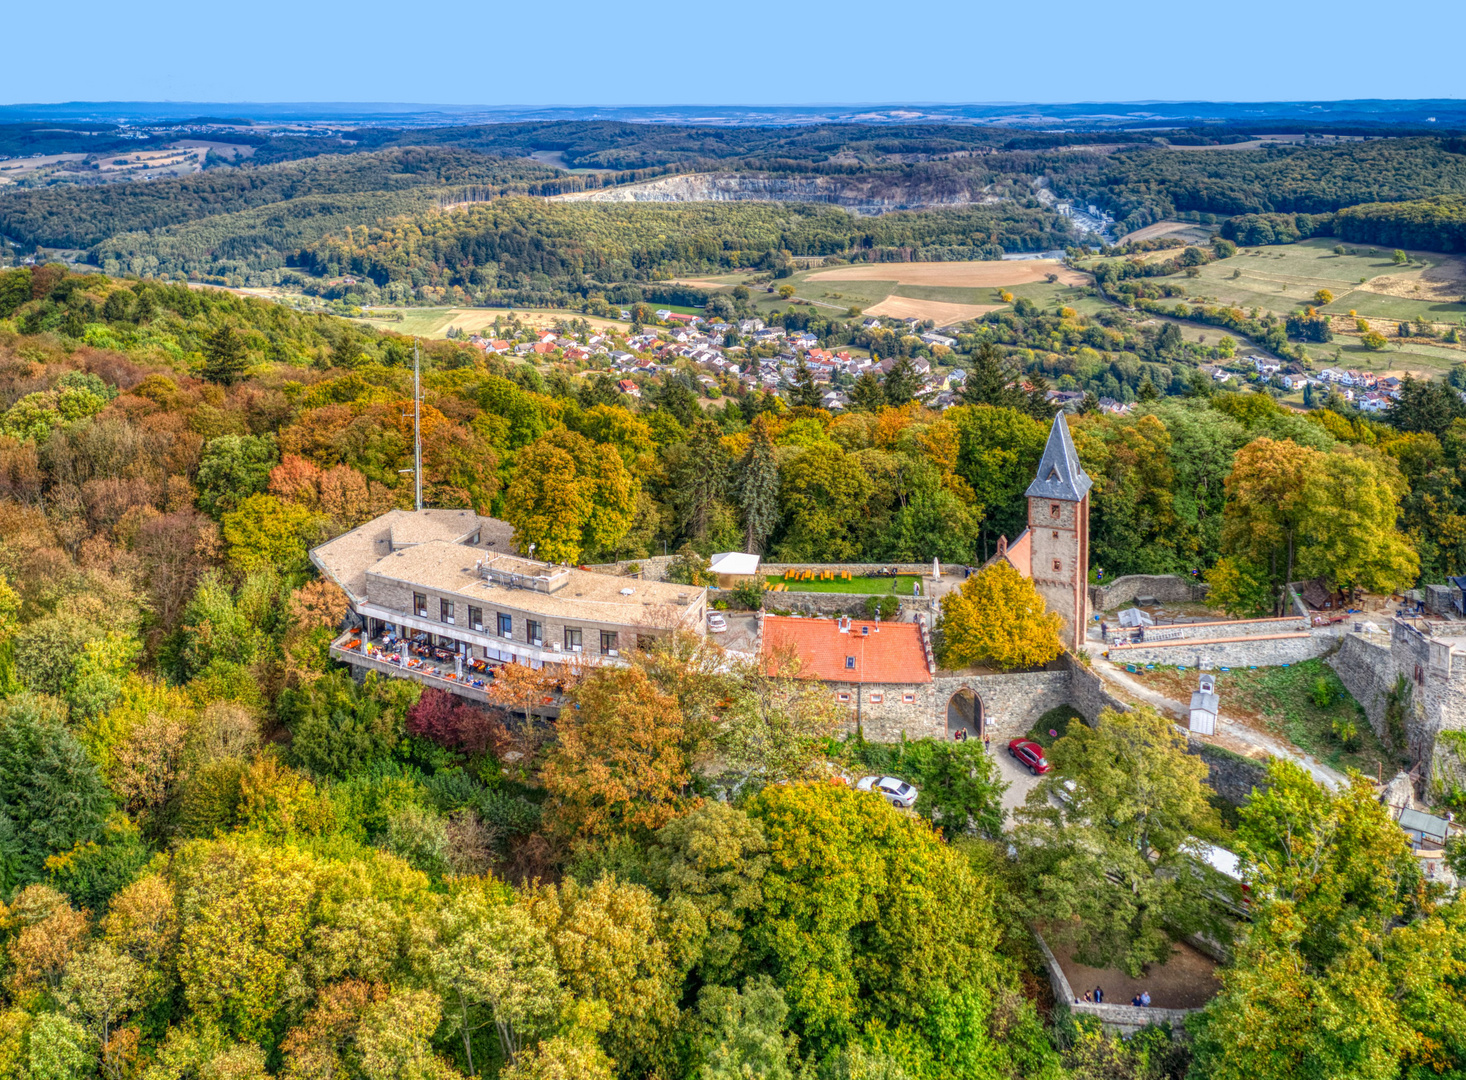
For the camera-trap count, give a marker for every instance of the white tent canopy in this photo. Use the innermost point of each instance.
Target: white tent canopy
(734, 562)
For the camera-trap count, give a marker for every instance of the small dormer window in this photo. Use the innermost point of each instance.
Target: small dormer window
(850, 663)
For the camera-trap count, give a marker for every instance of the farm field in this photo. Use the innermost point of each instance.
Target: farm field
(1182, 230)
(434, 322)
(946, 293)
(1283, 277)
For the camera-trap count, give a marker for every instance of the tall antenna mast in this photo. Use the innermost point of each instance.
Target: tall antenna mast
(416, 426)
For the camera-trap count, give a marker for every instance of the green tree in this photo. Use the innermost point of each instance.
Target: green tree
(1351, 512)
(758, 486)
(901, 384)
(1108, 841)
(224, 357)
(51, 797)
(744, 1036)
(804, 391)
(998, 452)
(231, 469)
(866, 395)
(698, 479)
(339, 728)
(494, 965)
(867, 918)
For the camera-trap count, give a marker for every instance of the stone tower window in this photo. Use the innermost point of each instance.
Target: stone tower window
(1058, 566)
(1053, 509)
(1056, 534)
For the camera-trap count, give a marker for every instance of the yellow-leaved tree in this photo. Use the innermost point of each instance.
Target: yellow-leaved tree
(998, 618)
(570, 496)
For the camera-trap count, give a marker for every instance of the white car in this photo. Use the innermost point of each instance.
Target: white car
(897, 792)
(716, 623)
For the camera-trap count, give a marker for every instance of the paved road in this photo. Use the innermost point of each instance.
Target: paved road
(1229, 731)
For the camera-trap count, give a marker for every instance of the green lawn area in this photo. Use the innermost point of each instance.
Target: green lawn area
(864, 585)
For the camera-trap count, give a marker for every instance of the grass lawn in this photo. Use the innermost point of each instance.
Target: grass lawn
(1279, 700)
(864, 585)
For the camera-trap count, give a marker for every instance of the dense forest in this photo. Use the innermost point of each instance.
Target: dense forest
(80, 217)
(222, 859)
(511, 239)
(250, 223)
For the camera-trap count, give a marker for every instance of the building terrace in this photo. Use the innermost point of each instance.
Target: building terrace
(445, 585)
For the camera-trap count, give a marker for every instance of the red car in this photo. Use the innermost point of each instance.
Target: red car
(1031, 754)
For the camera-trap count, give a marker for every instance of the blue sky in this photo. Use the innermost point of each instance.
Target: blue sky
(575, 52)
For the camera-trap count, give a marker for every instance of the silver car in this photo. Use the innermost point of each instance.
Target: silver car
(896, 791)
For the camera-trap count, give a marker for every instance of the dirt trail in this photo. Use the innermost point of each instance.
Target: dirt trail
(1231, 734)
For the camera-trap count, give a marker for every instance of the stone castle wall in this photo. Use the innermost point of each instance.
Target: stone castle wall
(1366, 666)
(1242, 651)
(1167, 588)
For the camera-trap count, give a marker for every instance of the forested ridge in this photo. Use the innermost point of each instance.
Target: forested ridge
(629, 241)
(222, 858)
(79, 217)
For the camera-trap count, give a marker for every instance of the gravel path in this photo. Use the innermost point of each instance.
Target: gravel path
(1231, 734)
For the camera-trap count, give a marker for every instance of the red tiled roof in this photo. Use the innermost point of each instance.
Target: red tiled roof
(885, 652)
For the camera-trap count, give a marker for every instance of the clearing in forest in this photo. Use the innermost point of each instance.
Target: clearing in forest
(963, 275)
(943, 314)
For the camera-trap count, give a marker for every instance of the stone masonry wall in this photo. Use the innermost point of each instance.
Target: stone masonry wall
(1366, 667)
(1167, 588)
(1010, 703)
(1245, 652)
(1222, 628)
(833, 603)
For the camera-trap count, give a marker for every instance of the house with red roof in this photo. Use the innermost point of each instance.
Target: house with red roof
(882, 672)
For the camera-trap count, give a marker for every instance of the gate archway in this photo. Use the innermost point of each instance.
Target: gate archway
(964, 711)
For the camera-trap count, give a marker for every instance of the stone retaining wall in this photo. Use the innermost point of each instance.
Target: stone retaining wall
(1243, 651)
(1367, 670)
(1222, 628)
(1116, 1019)
(828, 604)
(1167, 588)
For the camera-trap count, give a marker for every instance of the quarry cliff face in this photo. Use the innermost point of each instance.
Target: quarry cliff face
(859, 195)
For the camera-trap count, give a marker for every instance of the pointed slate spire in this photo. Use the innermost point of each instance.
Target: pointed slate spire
(1060, 476)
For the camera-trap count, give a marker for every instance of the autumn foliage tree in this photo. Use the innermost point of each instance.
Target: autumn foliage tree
(569, 496)
(617, 765)
(998, 618)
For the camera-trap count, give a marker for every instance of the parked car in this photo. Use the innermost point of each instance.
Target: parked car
(1029, 754)
(897, 792)
(716, 623)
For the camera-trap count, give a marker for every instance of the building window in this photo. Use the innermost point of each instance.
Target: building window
(843, 698)
(1053, 510)
(850, 663)
(1056, 534)
(445, 611)
(908, 699)
(1058, 566)
(420, 605)
(572, 639)
(506, 625)
(534, 633)
(608, 642)
(476, 617)
(876, 699)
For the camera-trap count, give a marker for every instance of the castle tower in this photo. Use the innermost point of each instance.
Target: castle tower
(1058, 527)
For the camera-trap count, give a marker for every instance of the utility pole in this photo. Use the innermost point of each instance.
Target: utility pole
(416, 426)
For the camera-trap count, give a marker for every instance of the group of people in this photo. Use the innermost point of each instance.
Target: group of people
(1097, 997)
(960, 735)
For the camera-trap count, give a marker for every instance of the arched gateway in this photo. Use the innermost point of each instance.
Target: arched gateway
(964, 712)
